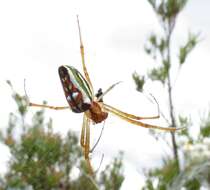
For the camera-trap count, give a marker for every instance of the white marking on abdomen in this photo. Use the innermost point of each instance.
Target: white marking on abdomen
(68, 98)
(74, 95)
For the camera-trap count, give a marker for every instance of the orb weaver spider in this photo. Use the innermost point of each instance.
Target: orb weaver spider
(80, 96)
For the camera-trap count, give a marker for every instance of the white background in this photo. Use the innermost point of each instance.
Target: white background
(36, 37)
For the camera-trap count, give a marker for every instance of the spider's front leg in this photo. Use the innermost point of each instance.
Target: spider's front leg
(83, 59)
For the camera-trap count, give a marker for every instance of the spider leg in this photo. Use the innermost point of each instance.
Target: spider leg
(128, 115)
(92, 149)
(145, 125)
(83, 58)
(48, 106)
(85, 142)
(41, 105)
(110, 88)
(87, 139)
(83, 132)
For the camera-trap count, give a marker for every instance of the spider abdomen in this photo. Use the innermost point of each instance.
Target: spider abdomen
(76, 89)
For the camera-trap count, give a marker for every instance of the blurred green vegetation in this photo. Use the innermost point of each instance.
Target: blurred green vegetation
(188, 166)
(44, 160)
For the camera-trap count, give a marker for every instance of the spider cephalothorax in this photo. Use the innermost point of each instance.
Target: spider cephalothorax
(80, 96)
(96, 113)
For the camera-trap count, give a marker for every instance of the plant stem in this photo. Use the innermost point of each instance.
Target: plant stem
(171, 106)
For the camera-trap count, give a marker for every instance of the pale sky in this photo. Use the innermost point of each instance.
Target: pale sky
(36, 37)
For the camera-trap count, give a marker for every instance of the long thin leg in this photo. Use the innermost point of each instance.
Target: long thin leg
(42, 105)
(99, 138)
(83, 132)
(83, 58)
(87, 148)
(145, 125)
(130, 115)
(47, 106)
(110, 88)
(87, 139)
(85, 142)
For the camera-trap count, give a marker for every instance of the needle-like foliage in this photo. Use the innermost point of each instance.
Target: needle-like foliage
(194, 172)
(42, 159)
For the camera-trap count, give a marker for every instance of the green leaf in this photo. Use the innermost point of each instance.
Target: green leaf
(139, 81)
(188, 47)
(205, 126)
(167, 10)
(21, 101)
(160, 178)
(162, 45)
(159, 74)
(192, 177)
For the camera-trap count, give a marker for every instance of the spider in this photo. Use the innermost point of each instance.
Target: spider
(80, 96)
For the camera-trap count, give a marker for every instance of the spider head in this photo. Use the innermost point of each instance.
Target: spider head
(99, 94)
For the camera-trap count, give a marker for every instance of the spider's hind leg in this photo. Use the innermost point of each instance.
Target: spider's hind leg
(128, 115)
(131, 119)
(48, 106)
(42, 105)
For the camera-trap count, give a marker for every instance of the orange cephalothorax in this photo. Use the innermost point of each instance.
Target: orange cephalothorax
(95, 113)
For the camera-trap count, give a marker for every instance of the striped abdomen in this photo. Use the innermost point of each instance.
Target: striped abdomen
(76, 89)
